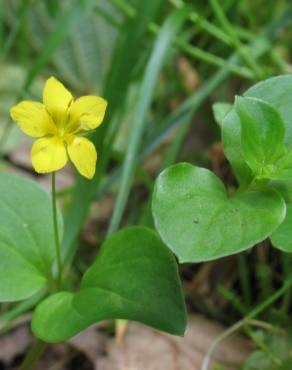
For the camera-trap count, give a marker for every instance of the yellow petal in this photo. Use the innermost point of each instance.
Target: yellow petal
(33, 118)
(48, 154)
(83, 154)
(89, 111)
(57, 99)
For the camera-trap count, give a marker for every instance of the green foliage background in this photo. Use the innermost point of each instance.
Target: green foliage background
(141, 56)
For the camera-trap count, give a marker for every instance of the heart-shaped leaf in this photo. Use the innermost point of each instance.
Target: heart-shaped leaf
(134, 277)
(27, 247)
(198, 221)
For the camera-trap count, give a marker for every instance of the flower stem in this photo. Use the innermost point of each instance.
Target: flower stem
(33, 355)
(38, 347)
(56, 232)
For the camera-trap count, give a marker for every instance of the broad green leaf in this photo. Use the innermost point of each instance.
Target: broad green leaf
(26, 237)
(275, 91)
(262, 134)
(220, 110)
(134, 277)
(198, 221)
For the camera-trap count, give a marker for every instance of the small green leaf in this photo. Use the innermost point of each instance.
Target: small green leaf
(231, 138)
(27, 248)
(275, 91)
(220, 110)
(135, 277)
(262, 134)
(283, 169)
(198, 221)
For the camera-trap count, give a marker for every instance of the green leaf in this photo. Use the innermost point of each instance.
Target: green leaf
(231, 138)
(27, 248)
(283, 170)
(198, 221)
(275, 91)
(262, 134)
(134, 277)
(220, 110)
(282, 237)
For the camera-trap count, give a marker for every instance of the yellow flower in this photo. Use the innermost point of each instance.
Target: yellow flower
(58, 123)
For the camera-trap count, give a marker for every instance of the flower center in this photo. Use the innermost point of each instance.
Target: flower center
(61, 131)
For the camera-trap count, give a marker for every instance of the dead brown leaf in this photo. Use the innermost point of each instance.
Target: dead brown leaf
(144, 348)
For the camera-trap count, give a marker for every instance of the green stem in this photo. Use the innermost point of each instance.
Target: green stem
(207, 26)
(242, 50)
(33, 355)
(39, 346)
(245, 321)
(56, 232)
(191, 50)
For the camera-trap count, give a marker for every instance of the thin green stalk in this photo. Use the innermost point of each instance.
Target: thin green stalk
(209, 27)
(257, 310)
(173, 151)
(56, 232)
(15, 28)
(264, 347)
(154, 66)
(242, 51)
(125, 7)
(191, 50)
(212, 59)
(33, 355)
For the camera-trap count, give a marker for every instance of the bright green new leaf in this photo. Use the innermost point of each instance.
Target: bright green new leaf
(275, 91)
(134, 277)
(220, 110)
(262, 134)
(231, 138)
(198, 221)
(283, 170)
(27, 248)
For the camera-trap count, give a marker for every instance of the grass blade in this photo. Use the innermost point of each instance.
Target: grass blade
(167, 33)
